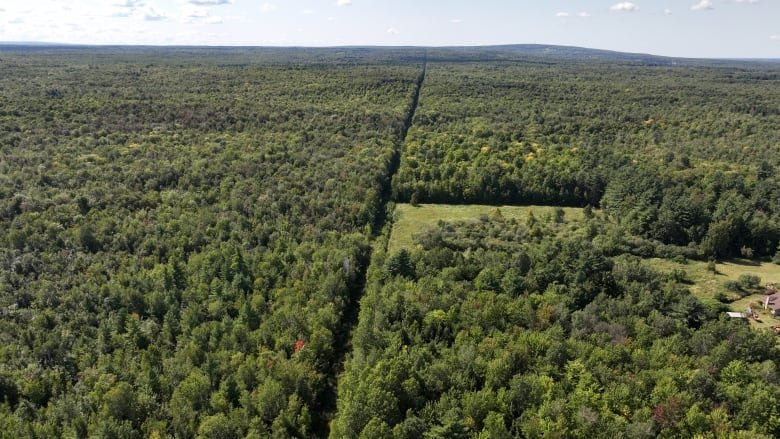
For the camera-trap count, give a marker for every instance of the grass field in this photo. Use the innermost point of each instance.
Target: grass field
(410, 220)
(705, 284)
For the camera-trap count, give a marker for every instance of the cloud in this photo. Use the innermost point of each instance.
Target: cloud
(199, 14)
(307, 12)
(153, 15)
(130, 4)
(456, 21)
(583, 14)
(562, 14)
(127, 8)
(343, 2)
(267, 7)
(774, 37)
(624, 7)
(392, 31)
(193, 13)
(16, 20)
(210, 2)
(667, 11)
(748, 2)
(703, 5)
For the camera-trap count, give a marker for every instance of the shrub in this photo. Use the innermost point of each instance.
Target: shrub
(749, 281)
(722, 297)
(679, 275)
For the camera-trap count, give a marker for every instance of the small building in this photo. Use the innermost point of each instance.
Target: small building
(736, 315)
(772, 303)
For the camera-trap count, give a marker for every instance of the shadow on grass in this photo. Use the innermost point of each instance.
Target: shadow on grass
(745, 262)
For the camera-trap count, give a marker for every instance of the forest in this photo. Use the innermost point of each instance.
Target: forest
(194, 243)
(679, 155)
(506, 328)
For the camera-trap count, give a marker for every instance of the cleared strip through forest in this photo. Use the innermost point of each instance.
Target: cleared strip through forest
(343, 340)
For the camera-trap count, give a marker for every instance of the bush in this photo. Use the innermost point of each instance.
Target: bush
(679, 275)
(734, 286)
(722, 297)
(414, 200)
(749, 281)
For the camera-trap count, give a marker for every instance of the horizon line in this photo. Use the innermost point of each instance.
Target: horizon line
(51, 44)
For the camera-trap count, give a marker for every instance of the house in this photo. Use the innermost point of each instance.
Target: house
(772, 303)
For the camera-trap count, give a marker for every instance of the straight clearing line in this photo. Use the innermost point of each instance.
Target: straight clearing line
(410, 220)
(343, 340)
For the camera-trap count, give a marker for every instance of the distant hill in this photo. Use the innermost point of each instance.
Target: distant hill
(34, 44)
(508, 52)
(576, 52)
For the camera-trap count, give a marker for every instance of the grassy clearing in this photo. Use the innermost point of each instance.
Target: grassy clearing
(706, 285)
(410, 220)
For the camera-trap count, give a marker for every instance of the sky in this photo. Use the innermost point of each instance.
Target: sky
(691, 28)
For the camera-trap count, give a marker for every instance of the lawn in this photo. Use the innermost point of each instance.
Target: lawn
(706, 284)
(410, 220)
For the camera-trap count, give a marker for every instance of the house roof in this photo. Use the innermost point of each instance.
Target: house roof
(736, 315)
(773, 301)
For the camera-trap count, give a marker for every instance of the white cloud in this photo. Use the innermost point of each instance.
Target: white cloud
(192, 13)
(624, 7)
(775, 37)
(130, 4)
(667, 11)
(392, 31)
(152, 14)
(267, 7)
(583, 14)
(703, 5)
(16, 20)
(210, 2)
(750, 2)
(127, 8)
(456, 20)
(343, 2)
(307, 12)
(562, 14)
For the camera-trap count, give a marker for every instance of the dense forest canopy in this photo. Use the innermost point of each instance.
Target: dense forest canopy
(181, 237)
(663, 148)
(502, 329)
(187, 236)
